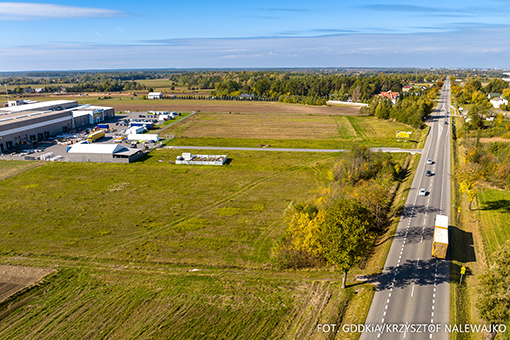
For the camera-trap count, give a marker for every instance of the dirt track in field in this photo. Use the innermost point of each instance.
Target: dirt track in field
(15, 278)
(241, 108)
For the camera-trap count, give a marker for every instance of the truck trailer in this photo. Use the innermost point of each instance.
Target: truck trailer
(95, 136)
(440, 243)
(147, 137)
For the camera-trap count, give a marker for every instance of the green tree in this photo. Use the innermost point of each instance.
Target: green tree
(494, 290)
(346, 234)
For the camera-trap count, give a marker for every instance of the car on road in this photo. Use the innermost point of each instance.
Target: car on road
(429, 161)
(422, 192)
(428, 173)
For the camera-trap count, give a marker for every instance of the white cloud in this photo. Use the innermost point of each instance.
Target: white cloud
(32, 11)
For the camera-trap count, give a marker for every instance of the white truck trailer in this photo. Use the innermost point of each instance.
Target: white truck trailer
(440, 242)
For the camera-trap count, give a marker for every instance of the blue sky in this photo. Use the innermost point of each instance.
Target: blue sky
(70, 35)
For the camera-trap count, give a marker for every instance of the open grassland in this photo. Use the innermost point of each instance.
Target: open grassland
(157, 211)
(126, 302)
(294, 131)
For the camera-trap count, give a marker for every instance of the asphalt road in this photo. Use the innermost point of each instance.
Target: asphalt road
(413, 289)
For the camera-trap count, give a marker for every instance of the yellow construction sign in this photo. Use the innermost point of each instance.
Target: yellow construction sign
(405, 135)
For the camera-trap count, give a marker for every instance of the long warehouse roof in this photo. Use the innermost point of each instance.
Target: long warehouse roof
(97, 148)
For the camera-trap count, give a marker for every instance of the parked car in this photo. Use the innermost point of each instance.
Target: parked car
(422, 192)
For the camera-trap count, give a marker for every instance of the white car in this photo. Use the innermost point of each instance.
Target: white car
(429, 161)
(422, 192)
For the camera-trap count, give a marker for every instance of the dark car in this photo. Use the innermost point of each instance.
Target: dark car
(429, 173)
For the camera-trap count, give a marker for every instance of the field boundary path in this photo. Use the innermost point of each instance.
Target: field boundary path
(235, 148)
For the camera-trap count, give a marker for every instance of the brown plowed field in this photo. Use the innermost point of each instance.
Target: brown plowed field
(225, 107)
(15, 278)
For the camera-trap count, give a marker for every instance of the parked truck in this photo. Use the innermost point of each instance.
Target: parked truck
(440, 243)
(103, 126)
(95, 136)
(147, 137)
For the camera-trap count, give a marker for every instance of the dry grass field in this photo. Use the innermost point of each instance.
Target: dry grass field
(218, 125)
(13, 168)
(278, 130)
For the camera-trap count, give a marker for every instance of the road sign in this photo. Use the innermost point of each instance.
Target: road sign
(403, 135)
(462, 272)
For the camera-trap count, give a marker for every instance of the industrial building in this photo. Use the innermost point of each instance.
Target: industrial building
(103, 153)
(25, 123)
(88, 114)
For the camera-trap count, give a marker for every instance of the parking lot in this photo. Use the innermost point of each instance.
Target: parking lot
(55, 149)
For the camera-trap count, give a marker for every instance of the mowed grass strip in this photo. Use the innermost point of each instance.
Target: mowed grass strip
(155, 210)
(137, 303)
(494, 212)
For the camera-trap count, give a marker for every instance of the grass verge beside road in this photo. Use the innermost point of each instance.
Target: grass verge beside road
(475, 235)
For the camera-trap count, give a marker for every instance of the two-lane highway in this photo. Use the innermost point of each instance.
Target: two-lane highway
(413, 290)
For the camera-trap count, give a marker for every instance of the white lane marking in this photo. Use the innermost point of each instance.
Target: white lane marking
(412, 291)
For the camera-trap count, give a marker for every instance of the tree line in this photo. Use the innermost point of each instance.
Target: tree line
(340, 224)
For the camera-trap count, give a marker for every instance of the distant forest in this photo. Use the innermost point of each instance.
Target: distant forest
(305, 86)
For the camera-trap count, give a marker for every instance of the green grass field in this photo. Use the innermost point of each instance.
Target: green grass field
(494, 212)
(125, 237)
(157, 211)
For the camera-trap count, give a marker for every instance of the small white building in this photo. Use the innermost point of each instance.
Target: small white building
(497, 102)
(155, 95)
